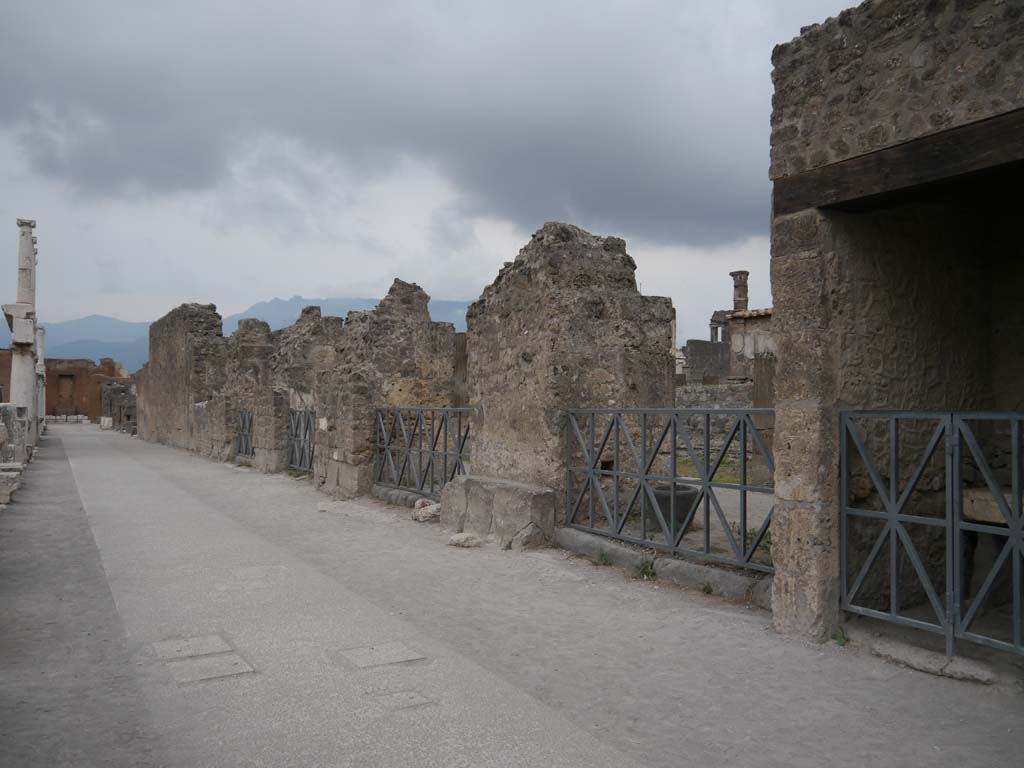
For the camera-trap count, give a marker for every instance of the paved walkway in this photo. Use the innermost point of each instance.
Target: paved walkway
(139, 585)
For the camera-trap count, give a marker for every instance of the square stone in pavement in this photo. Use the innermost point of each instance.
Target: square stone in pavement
(208, 667)
(382, 653)
(191, 646)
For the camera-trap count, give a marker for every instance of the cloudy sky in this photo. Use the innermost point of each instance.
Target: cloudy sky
(230, 152)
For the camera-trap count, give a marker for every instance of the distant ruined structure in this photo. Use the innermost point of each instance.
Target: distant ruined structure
(300, 398)
(23, 392)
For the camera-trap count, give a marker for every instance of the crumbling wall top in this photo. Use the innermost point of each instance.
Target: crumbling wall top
(404, 300)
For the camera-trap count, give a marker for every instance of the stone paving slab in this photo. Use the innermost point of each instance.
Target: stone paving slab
(383, 653)
(198, 668)
(191, 646)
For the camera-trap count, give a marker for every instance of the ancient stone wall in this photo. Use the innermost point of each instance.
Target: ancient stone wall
(707, 362)
(184, 373)
(895, 303)
(74, 387)
(248, 386)
(391, 356)
(118, 404)
(889, 71)
(563, 326)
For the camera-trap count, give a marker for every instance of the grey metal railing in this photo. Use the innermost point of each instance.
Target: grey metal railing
(243, 434)
(695, 482)
(301, 428)
(421, 449)
(940, 495)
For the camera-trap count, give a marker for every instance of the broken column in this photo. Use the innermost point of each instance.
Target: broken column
(21, 317)
(740, 300)
(41, 378)
(563, 326)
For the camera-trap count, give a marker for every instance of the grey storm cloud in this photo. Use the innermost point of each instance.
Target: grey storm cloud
(643, 117)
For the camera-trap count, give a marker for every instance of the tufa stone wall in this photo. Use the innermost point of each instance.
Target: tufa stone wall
(899, 303)
(563, 326)
(392, 356)
(184, 372)
(889, 71)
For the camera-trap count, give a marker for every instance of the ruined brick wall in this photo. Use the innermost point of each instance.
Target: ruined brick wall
(184, 373)
(5, 375)
(562, 326)
(74, 386)
(889, 71)
(392, 356)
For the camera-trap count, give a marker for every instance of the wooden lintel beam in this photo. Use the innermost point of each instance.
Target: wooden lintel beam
(966, 149)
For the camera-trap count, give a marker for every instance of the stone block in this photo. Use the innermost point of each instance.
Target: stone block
(805, 551)
(510, 513)
(806, 452)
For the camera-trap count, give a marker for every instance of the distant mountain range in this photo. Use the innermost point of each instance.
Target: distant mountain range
(99, 336)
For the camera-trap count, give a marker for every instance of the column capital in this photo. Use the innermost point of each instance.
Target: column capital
(30, 223)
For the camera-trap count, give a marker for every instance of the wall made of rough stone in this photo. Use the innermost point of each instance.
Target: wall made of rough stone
(706, 361)
(184, 373)
(563, 326)
(889, 71)
(905, 308)
(392, 356)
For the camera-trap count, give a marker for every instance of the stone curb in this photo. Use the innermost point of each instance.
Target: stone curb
(731, 585)
(934, 663)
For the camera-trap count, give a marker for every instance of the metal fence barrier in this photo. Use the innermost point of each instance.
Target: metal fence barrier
(940, 495)
(243, 439)
(696, 482)
(421, 449)
(301, 427)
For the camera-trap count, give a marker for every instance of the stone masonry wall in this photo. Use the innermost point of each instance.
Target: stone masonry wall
(880, 308)
(562, 326)
(185, 370)
(391, 356)
(889, 71)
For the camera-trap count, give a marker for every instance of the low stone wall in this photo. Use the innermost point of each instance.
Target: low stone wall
(513, 515)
